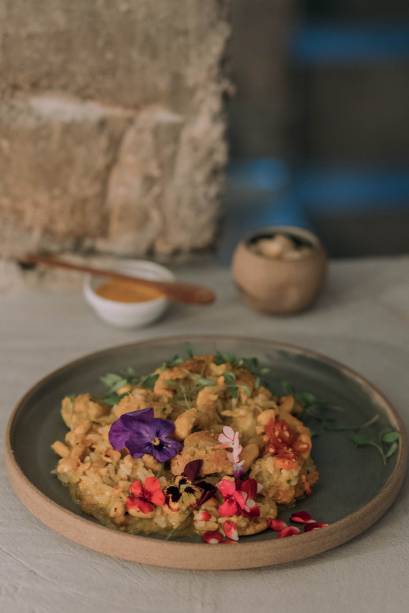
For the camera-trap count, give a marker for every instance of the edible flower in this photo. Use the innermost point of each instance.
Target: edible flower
(298, 517)
(187, 490)
(288, 531)
(191, 472)
(140, 432)
(203, 515)
(145, 497)
(314, 525)
(231, 440)
(212, 537)
(301, 517)
(182, 493)
(229, 530)
(284, 443)
(239, 497)
(277, 525)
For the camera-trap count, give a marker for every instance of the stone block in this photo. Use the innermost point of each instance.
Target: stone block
(126, 52)
(86, 176)
(56, 153)
(164, 190)
(111, 124)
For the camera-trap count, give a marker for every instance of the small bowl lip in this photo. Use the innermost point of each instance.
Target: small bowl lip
(315, 243)
(164, 274)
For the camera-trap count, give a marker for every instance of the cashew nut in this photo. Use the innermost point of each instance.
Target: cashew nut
(184, 423)
(249, 454)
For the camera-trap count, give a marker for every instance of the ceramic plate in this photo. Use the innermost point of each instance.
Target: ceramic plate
(354, 490)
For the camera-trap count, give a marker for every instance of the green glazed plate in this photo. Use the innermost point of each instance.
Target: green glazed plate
(354, 490)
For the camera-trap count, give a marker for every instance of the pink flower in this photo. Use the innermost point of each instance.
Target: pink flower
(231, 440)
(230, 530)
(238, 471)
(233, 500)
(203, 515)
(239, 497)
(277, 525)
(288, 531)
(212, 537)
(248, 489)
(298, 517)
(314, 525)
(145, 497)
(301, 517)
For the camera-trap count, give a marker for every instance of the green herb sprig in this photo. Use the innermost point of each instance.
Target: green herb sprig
(233, 387)
(175, 360)
(340, 428)
(322, 413)
(252, 364)
(114, 381)
(387, 443)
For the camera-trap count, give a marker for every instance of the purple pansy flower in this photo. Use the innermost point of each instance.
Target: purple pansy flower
(191, 472)
(140, 432)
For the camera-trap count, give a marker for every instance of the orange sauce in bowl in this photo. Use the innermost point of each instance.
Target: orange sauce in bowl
(121, 290)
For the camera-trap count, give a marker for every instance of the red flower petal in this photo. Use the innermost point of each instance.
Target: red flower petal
(226, 487)
(212, 537)
(251, 509)
(139, 503)
(229, 508)
(288, 531)
(135, 488)
(240, 499)
(192, 470)
(151, 484)
(249, 486)
(302, 517)
(230, 530)
(158, 498)
(314, 525)
(203, 516)
(277, 525)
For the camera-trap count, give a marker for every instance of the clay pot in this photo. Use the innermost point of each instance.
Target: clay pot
(279, 285)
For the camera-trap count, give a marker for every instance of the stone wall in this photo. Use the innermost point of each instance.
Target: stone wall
(111, 124)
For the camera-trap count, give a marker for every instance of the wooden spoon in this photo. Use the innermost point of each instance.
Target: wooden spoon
(174, 290)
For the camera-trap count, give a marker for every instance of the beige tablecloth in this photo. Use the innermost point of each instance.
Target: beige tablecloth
(362, 319)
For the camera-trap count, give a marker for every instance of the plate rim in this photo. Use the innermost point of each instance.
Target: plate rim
(198, 556)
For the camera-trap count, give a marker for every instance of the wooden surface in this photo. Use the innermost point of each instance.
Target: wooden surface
(362, 319)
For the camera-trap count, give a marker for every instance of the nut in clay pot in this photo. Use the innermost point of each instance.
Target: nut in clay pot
(280, 282)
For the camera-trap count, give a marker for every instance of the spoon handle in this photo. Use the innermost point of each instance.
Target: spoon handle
(177, 291)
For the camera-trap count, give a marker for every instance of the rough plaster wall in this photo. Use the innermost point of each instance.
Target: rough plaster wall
(111, 124)
(126, 52)
(55, 154)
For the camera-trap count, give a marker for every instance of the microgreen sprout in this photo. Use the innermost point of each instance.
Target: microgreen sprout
(387, 442)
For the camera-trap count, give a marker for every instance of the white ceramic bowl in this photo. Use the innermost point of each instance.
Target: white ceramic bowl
(129, 314)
